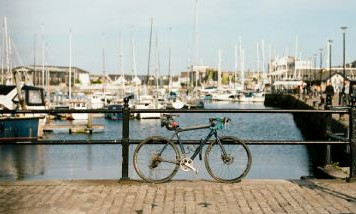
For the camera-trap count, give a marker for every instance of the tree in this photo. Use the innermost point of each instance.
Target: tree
(225, 79)
(97, 81)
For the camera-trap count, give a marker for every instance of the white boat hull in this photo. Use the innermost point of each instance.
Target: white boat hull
(149, 115)
(80, 116)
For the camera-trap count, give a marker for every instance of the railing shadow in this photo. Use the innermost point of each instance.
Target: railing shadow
(315, 186)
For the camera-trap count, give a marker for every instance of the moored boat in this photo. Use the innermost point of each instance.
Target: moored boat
(21, 126)
(116, 115)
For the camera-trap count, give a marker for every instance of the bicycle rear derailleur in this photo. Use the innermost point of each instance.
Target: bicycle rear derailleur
(186, 164)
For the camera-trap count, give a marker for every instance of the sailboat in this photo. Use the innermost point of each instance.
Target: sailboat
(172, 99)
(221, 94)
(19, 96)
(147, 101)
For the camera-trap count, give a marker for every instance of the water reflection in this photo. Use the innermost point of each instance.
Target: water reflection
(20, 162)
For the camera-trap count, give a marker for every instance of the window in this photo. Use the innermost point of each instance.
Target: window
(34, 97)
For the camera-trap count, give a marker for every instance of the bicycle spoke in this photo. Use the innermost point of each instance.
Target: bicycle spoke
(232, 166)
(156, 162)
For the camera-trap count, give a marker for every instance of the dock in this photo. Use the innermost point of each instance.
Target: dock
(197, 196)
(74, 128)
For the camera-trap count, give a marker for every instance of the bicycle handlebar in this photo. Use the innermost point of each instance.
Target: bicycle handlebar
(223, 120)
(215, 123)
(170, 115)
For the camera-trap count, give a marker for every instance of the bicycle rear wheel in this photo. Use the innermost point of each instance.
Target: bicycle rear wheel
(231, 167)
(156, 159)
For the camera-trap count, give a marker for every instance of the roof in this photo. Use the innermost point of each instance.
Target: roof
(6, 89)
(325, 75)
(51, 68)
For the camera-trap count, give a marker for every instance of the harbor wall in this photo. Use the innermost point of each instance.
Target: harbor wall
(314, 126)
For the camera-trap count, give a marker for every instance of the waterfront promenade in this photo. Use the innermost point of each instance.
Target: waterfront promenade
(197, 196)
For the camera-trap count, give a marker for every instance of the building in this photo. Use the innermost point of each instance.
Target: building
(290, 68)
(55, 75)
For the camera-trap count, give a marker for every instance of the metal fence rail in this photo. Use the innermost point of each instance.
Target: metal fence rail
(137, 141)
(125, 141)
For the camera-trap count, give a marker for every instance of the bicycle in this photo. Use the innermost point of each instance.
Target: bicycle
(157, 159)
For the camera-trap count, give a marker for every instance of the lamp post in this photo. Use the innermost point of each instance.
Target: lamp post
(329, 42)
(314, 66)
(321, 63)
(343, 64)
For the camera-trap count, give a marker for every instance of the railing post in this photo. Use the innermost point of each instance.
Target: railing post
(352, 124)
(328, 130)
(328, 102)
(125, 140)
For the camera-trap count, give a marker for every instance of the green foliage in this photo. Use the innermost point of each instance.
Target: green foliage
(209, 74)
(225, 79)
(97, 81)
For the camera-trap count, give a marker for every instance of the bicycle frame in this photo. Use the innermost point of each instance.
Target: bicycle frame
(202, 143)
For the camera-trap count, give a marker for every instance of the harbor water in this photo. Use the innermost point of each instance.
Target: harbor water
(28, 162)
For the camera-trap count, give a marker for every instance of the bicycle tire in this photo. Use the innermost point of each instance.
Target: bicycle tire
(215, 163)
(149, 166)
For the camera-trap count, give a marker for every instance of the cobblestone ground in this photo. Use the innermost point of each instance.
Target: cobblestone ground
(248, 196)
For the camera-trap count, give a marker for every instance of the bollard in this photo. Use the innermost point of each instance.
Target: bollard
(125, 140)
(352, 124)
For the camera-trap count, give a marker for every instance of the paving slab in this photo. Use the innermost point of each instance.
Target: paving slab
(198, 196)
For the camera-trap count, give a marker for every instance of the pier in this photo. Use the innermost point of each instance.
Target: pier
(331, 159)
(77, 128)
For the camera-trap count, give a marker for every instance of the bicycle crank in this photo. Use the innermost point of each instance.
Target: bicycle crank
(186, 164)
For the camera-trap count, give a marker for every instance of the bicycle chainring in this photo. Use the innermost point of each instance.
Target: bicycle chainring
(186, 164)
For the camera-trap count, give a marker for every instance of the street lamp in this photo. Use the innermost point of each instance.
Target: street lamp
(329, 42)
(321, 63)
(314, 66)
(343, 66)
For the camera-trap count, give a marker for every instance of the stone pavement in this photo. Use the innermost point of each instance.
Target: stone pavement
(248, 196)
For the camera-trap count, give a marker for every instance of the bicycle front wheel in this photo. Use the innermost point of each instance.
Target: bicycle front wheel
(156, 159)
(231, 166)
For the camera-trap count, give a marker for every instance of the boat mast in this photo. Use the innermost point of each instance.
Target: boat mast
(121, 59)
(219, 70)
(70, 64)
(258, 64)
(242, 66)
(2, 54)
(47, 71)
(169, 61)
(263, 56)
(7, 51)
(43, 58)
(34, 61)
(235, 69)
(149, 53)
(196, 45)
(104, 76)
(263, 61)
(133, 57)
(157, 70)
(295, 57)
(135, 80)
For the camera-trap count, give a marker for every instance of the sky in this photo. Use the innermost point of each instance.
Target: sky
(103, 24)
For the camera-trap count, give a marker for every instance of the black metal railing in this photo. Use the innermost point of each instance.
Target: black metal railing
(125, 141)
